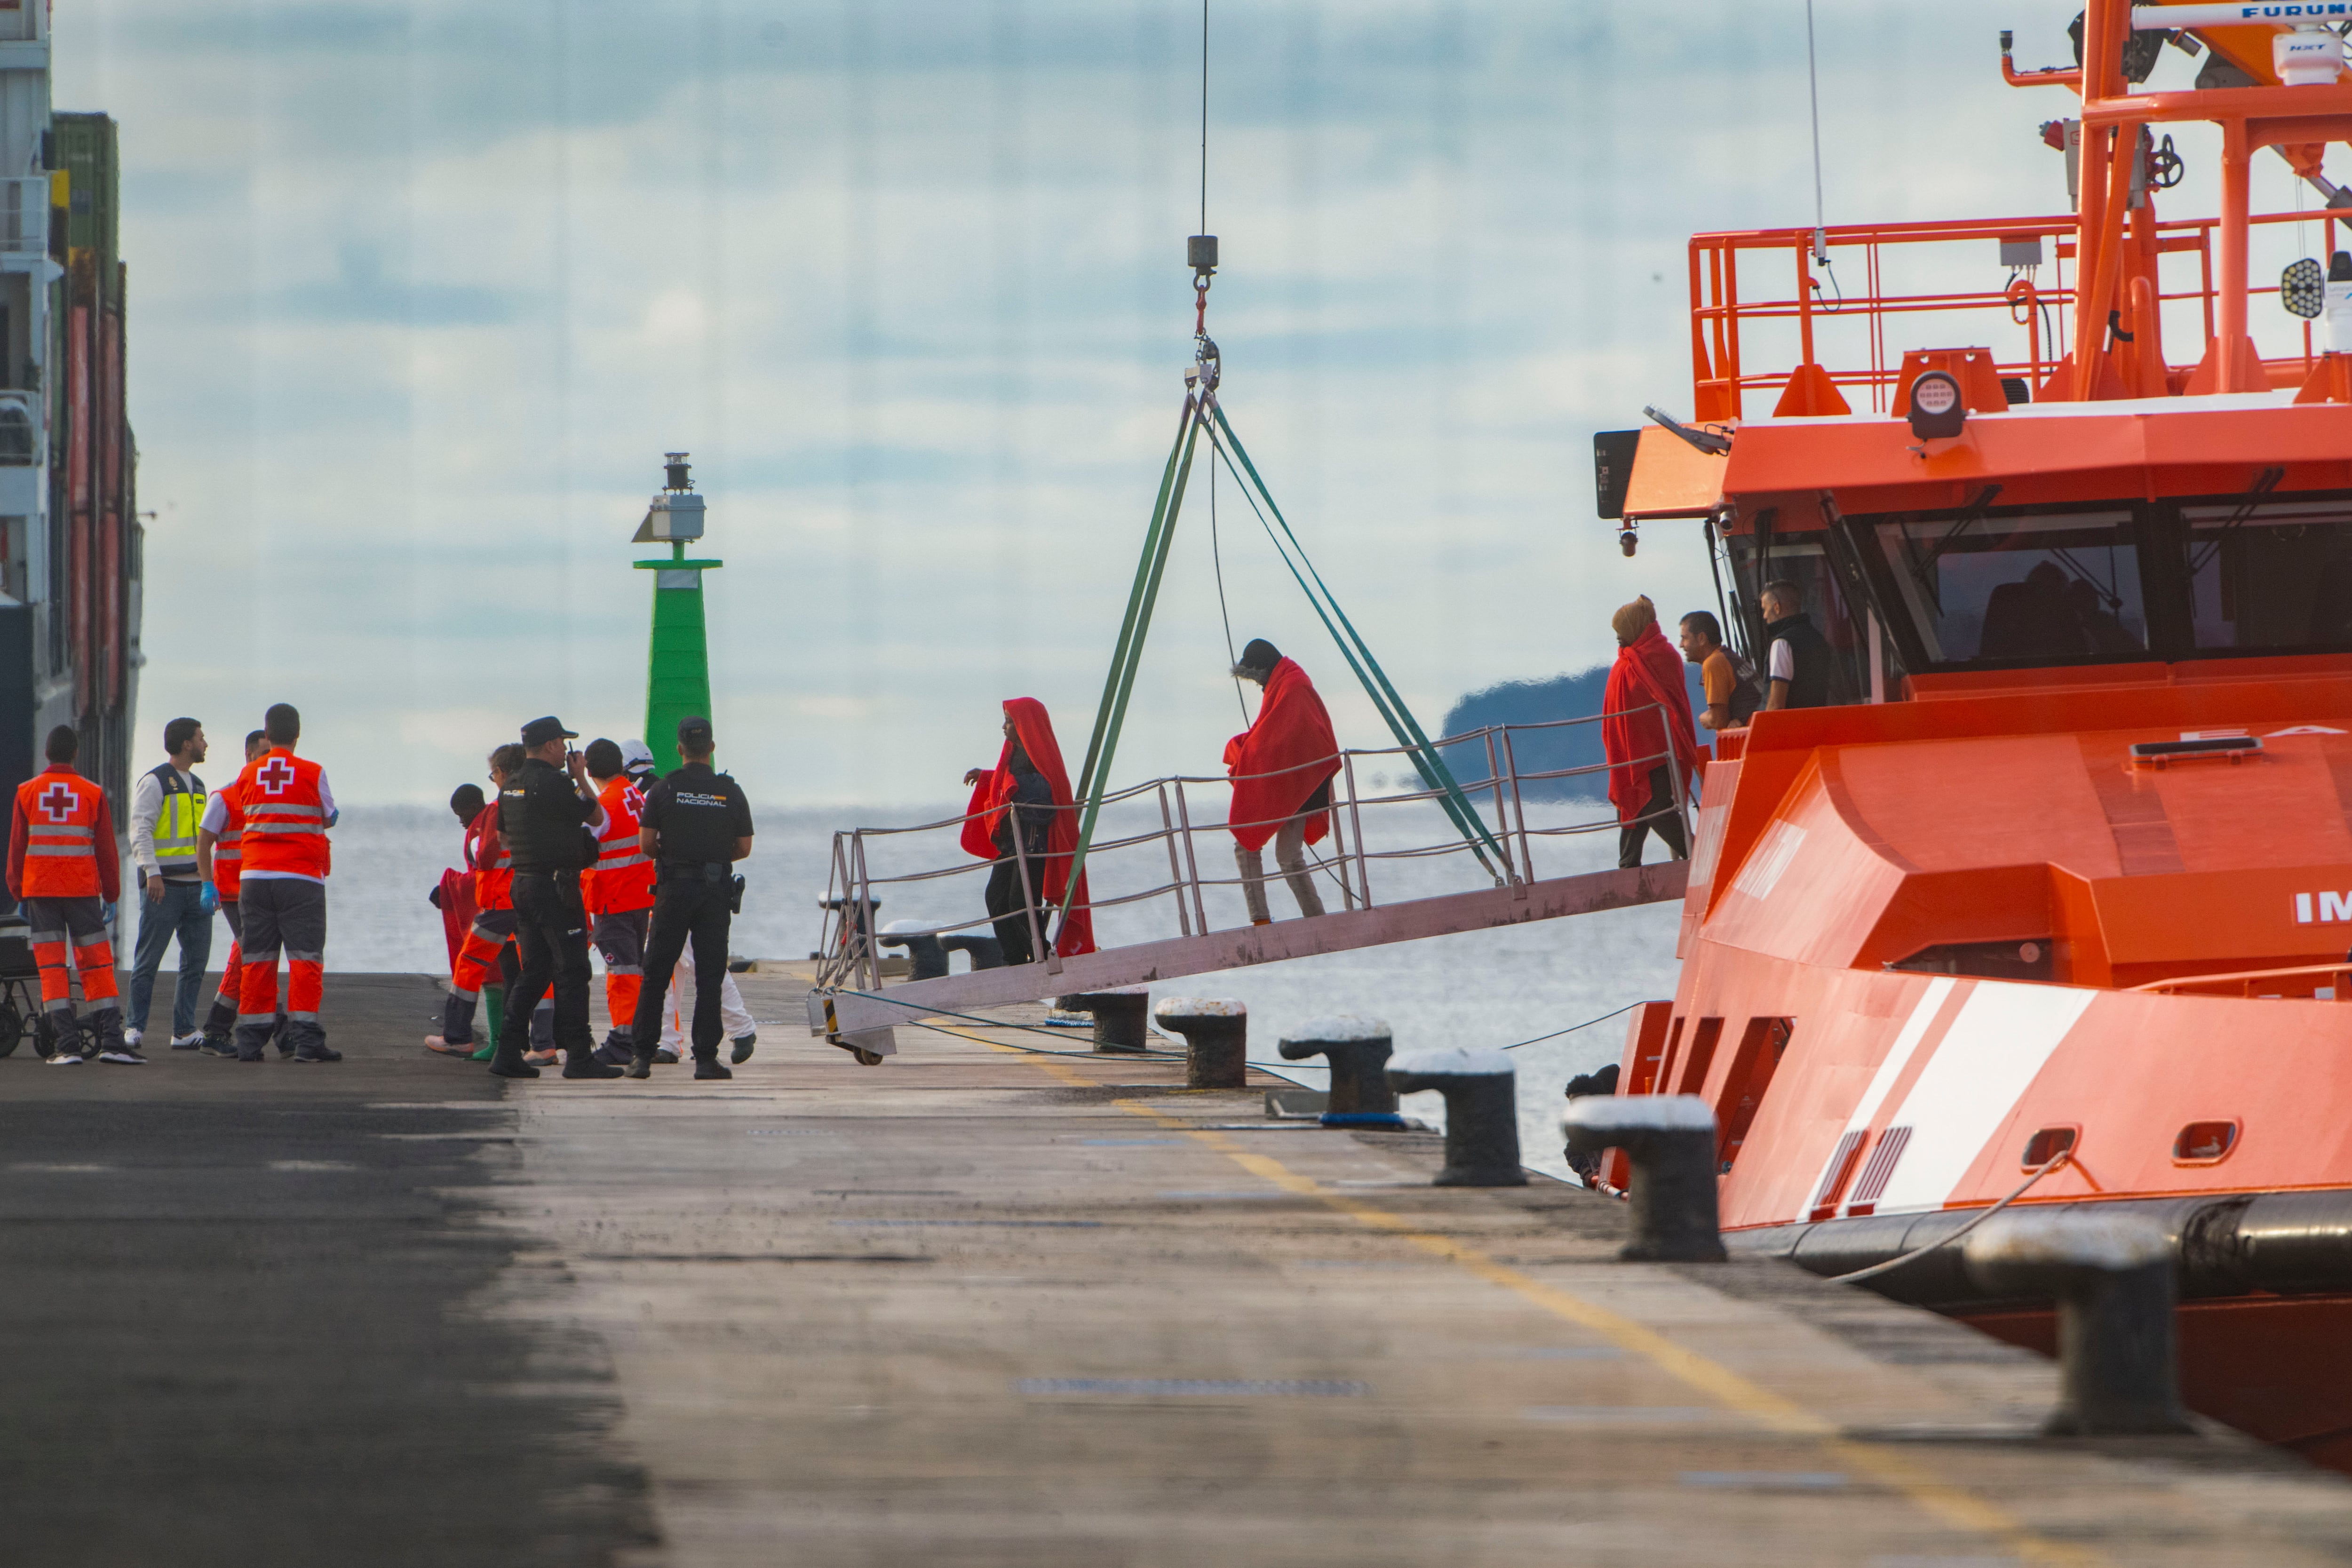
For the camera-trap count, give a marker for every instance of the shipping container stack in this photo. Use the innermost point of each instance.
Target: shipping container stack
(70, 540)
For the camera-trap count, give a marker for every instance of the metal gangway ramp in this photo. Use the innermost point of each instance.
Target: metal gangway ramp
(1433, 881)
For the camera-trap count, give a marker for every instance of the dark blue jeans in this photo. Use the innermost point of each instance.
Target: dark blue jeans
(179, 912)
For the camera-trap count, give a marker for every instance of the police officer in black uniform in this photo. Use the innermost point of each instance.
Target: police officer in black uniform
(696, 825)
(548, 821)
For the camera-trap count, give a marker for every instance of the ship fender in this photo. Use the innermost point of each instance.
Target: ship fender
(2287, 1244)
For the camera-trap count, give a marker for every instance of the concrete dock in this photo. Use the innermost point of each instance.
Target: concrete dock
(975, 1306)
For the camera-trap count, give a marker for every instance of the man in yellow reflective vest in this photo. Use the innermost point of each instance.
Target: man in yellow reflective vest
(167, 806)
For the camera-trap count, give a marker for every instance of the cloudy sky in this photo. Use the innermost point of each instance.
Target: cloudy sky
(421, 292)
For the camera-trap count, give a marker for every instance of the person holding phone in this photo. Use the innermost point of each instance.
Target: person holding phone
(548, 816)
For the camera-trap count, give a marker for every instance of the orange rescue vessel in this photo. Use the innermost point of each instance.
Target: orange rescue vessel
(2067, 869)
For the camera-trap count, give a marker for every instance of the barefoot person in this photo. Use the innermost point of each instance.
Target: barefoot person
(1282, 771)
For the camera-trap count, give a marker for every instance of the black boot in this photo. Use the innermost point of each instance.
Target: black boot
(743, 1044)
(708, 1066)
(509, 1062)
(580, 1061)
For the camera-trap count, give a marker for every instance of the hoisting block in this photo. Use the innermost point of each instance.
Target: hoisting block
(1118, 1015)
(1358, 1052)
(2110, 1276)
(1216, 1033)
(1482, 1113)
(1670, 1140)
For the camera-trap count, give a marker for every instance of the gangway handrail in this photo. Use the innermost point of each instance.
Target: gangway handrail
(853, 890)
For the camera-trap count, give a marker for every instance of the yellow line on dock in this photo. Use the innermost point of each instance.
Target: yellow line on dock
(1955, 1506)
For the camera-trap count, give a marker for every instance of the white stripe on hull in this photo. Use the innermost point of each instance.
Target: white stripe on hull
(1995, 1047)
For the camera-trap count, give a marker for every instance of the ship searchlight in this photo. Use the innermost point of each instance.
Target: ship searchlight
(1937, 409)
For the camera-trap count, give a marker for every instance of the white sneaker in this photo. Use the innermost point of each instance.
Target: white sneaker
(65, 1060)
(131, 1037)
(187, 1042)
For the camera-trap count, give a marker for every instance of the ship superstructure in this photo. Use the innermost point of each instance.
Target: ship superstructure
(2059, 895)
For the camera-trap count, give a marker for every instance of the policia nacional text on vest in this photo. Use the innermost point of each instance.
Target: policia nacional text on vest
(546, 816)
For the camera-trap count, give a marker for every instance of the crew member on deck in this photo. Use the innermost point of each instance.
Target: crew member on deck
(548, 816)
(1726, 679)
(697, 824)
(1028, 792)
(1800, 670)
(1646, 680)
(1282, 770)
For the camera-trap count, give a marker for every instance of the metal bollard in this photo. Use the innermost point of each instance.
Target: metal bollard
(1670, 1139)
(1482, 1112)
(1119, 1016)
(1217, 1035)
(1358, 1051)
(986, 952)
(922, 945)
(2110, 1276)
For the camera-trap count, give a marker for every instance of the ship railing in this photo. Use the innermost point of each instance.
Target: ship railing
(1158, 823)
(2300, 982)
(2030, 320)
(25, 214)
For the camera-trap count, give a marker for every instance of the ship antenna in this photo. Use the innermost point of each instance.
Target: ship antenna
(1814, 85)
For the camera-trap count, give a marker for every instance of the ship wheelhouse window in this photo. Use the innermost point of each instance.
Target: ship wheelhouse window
(2015, 586)
(2271, 577)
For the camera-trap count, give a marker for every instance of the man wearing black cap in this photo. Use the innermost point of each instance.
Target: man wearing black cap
(694, 825)
(548, 821)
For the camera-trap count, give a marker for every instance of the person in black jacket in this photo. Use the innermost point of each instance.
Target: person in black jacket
(1800, 670)
(548, 821)
(694, 825)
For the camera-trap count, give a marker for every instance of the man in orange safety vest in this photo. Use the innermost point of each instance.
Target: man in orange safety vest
(64, 872)
(619, 891)
(282, 886)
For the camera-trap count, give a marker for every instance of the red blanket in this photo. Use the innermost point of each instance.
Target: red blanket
(1035, 728)
(1647, 671)
(1285, 756)
(457, 910)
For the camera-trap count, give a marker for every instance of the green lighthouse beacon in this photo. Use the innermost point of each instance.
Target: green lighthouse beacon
(678, 663)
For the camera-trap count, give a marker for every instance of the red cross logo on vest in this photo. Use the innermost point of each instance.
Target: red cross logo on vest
(274, 775)
(57, 803)
(634, 796)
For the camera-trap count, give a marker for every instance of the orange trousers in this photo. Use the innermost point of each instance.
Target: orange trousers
(280, 915)
(69, 935)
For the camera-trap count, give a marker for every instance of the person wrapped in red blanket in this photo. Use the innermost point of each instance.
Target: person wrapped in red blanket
(1282, 772)
(1028, 793)
(1646, 677)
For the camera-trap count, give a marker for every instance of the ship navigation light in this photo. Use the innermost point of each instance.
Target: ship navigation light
(2302, 289)
(1937, 409)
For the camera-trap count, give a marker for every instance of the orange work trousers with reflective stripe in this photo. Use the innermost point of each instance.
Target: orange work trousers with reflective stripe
(71, 931)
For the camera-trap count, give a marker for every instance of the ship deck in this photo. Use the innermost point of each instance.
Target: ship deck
(972, 1307)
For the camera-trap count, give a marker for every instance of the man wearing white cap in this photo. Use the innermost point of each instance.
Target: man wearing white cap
(619, 893)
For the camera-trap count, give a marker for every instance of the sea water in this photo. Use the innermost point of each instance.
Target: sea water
(1494, 988)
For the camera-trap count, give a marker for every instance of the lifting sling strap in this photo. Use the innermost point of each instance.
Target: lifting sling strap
(1127, 656)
